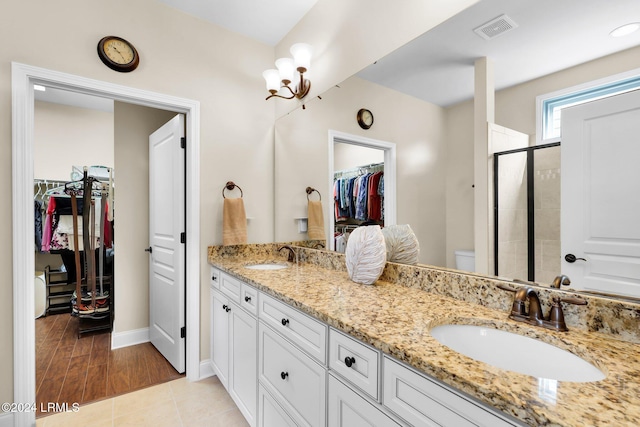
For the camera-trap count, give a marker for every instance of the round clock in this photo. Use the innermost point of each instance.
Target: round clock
(118, 54)
(365, 118)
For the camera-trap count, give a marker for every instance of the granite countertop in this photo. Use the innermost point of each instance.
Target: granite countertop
(397, 319)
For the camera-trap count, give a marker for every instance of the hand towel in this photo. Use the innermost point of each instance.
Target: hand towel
(316, 220)
(234, 222)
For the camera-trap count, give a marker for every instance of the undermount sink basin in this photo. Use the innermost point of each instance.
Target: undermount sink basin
(516, 353)
(267, 266)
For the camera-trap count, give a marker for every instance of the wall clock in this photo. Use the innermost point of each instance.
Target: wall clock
(118, 54)
(365, 118)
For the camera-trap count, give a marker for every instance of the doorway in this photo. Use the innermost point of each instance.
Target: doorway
(389, 155)
(23, 79)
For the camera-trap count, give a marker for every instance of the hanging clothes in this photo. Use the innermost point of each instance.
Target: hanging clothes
(373, 198)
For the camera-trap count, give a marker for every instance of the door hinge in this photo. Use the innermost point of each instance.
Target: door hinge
(183, 237)
(183, 142)
(183, 332)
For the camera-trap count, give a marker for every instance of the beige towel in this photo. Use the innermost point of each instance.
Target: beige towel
(316, 220)
(234, 222)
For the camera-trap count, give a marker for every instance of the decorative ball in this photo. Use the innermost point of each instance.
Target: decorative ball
(402, 244)
(366, 254)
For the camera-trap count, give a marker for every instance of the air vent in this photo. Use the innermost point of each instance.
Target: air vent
(495, 27)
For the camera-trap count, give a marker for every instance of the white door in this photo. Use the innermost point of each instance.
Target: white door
(167, 253)
(601, 194)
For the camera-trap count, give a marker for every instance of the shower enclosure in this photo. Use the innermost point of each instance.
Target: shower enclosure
(527, 213)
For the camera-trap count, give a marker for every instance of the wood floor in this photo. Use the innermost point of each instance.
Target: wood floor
(80, 370)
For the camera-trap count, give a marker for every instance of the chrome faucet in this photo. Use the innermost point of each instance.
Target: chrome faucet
(560, 280)
(293, 256)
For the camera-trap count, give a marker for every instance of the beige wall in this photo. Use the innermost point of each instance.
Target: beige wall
(181, 56)
(515, 109)
(133, 125)
(417, 129)
(67, 136)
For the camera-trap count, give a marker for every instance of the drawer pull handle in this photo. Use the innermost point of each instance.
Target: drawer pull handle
(349, 361)
(284, 375)
(226, 308)
(285, 322)
(247, 298)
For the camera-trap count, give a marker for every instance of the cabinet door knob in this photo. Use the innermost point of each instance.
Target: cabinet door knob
(284, 375)
(349, 361)
(247, 298)
(214, 278)
(285, 322)
(226, 308)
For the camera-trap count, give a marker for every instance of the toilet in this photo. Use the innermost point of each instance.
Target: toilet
(465, 260)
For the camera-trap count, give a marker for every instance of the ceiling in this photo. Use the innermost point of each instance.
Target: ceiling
(438, 67)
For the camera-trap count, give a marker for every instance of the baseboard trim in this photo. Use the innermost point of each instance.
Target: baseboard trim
(6, 419)
(128, 338)
(206, 369)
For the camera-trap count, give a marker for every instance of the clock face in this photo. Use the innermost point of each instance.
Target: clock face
(118, 54)
(365, 118)
(118, 51)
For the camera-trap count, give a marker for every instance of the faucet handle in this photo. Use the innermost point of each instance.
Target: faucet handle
(507, 288)
(573, 300)
(556, 315)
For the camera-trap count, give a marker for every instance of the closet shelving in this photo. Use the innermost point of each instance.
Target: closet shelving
(59, 292)
(86, 288)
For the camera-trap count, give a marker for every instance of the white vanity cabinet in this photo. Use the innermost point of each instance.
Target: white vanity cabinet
(297, 382)
(424, 402)
(346, 408)
(285, 368)
(234, 352)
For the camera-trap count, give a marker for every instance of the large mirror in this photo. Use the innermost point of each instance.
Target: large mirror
(421, 97)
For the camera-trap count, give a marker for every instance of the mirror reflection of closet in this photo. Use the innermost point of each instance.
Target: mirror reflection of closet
(358, 173)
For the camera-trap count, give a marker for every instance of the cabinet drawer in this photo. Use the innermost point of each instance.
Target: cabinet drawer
(270, 413)
(249, 298)
(230, 287)
(297, 382)
(348, 409)
(214, 279)
(424, 402)
(304, 331)
(364, 362)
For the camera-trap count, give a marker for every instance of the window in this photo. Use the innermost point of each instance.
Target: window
(550, 106)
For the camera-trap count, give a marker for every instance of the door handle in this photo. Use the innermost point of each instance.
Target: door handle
(571, 258)
(149, 249)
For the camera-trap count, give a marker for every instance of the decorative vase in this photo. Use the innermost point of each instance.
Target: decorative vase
(366, 254)
(402, 244)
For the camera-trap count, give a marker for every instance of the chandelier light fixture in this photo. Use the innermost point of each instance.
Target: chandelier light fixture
(290, 70)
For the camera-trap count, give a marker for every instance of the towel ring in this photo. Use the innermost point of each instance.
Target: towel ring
(230, 185)
(310, 190)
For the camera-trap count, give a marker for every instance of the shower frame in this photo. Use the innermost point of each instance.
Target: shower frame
(531, 255)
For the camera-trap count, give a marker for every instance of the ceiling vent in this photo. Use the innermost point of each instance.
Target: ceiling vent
(495, 27)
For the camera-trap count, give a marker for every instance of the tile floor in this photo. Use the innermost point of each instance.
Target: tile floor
(178, 403)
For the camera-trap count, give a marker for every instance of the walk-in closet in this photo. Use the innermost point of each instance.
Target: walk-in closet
(81, 155)
(358, 190)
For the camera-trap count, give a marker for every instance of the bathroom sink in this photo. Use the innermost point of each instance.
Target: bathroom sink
(516, 353)
(267, 266)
